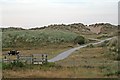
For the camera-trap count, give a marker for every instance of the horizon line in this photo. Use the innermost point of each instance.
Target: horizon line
(30, 27)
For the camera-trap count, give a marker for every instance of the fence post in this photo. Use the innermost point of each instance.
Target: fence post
(18, 57)
(46, 58)
(42, 58)
(32, 59)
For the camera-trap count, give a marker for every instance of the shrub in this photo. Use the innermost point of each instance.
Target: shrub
(49, 64)
(102, 36)
(102, 44)
(116, 73)
(13, 65)
(17, 64)
(90, 46)
(79, 40)
(6, 66)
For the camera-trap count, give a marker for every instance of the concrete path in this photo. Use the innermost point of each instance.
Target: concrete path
(65, 54)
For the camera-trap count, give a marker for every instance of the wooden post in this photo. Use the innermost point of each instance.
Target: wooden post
(32, 59)
(5, 57)
(42, 58)
(17, 58)
(46, 58)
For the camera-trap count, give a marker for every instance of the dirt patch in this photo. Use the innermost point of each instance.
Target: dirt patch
(96, 30)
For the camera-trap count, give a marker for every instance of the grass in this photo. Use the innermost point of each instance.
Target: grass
(110, 69)
(84, 56)
(0, 70)
(84, 63)
(50, 50)
(48, 72)
(89, 62)
(93, 60)
(12, 65)
(36, 38)
(0, 65)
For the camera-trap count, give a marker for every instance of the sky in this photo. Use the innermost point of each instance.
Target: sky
(39, 13)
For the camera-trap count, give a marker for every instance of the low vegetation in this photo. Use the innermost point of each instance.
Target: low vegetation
(112, 49)
(84, 63)
(89, 62)
(94, 61)
(13, 39)
(79, 40)
(21, 65)
(90, 46)
(13, 65)
(102, 36)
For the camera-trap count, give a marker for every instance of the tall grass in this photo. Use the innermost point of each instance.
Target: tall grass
(36, 38)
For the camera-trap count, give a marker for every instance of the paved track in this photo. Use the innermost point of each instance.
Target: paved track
(65, 54)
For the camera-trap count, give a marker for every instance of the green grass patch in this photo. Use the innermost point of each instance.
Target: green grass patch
(12, 65)
(33, 38)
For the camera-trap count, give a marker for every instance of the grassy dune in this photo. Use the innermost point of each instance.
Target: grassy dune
(91, 62)
(35, 38)
(48, 41)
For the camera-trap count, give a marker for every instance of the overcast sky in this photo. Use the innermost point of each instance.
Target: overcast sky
(37, 13)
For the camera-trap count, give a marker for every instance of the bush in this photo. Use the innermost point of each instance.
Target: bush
(102, 36)
(17, 64)
(13, 65)
(6, 66)
(90, 46)
(49, 64)
(104, 44)
(79, 40)
(116, 73)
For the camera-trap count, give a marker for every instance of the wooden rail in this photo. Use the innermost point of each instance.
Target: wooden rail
(29, 59)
